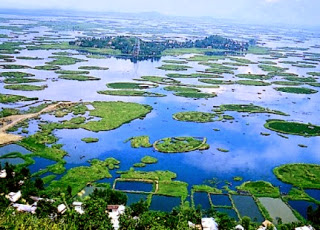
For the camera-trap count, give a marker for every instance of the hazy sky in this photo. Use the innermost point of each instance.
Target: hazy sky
(303, 12)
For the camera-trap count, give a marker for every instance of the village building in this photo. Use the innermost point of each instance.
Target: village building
(209, 224)
(26, 208)
(14, 196)
(115, 211)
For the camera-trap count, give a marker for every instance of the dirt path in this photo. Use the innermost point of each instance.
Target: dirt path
(10, 121)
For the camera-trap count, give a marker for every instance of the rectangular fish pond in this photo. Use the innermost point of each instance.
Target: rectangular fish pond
(135, 186)
(301, 206)
(220, 200)
(247, 207)
(135, 197)
(278, 209)
(201, 198)
(229, 211)
(164, 203)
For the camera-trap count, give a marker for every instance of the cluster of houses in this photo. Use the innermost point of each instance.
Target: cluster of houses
(115, 211)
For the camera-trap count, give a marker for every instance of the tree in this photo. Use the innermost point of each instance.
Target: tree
(69, 191)
(225, 222)
(139, 208)
(39, 184)
(45, 209)
(246, 222)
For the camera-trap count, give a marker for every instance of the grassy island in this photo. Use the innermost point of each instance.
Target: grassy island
(180, 144)
(128, 92)
(78, 77)
(296, 90)
(260, 189)
(247, 108)
(23, 87)
(299, 175)
(200, 117)
(294, 128)
(90, 139)
(140, 141)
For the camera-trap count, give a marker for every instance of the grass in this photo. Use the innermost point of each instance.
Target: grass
(254, 76)
(9, 98)
(152, 175)
(93, 68)
(247, 108)
(79, 177)
(180, 144)
(78, 77)
(19, 80)
(173, 188)
(205, 188)
(251, 82)
(128, 92)
(193, 75)
(237, 178)
(115, 114)
(299, 175)
(315, 74)
(64, 60)
(47, 67)
(271, 68)
(140, 141)
(16, 74)
(168, 67)
(216, 82)
(296, 90)
(175, 62)
(242, 60)
(5, 112)
(29, 58)
(259, 50)
(301, 79)
(294, 128)
(160, 80)
(181, 51)
(139, 165)
(286, 83)
(23, 87)
(15, 66)
(260, 189)
(90, 139)
(149, 160)
(130, 85)
(195, 116)
(76, 72)
(222, 150)
(180, 89)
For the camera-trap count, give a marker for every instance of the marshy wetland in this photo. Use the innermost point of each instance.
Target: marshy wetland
(236, 131)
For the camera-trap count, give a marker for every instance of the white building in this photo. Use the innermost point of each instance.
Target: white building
(62, 208)
(14, 196)
(239, 227)
(78, 207)
(115, 211)
(209, 224)
(3, 174)
(305, 228)
(25, 208)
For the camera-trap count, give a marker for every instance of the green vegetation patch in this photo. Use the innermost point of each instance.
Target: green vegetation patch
(160, 80)
(294, 128)
(47, 67)
(149, 160)
(9, 98)
(64, 60)
(299, 175)
(77, 72)
(115, 114)
(180, 144)
(79, 177)
(195, 116)
(247, 108)
(193, 75)
(24, 87)
(254, 76)
(315, 74)
(259, 50)
(130, 85)
(140, 141)
(129, 92)
(19, 80)
(173, 188)
(260, 189)
(216, 82)
(29, 58)
(14, 67)
(93, 68)
(175, 62)
(16, 74)
(90, 139)
(301, 79)
(296, 90)
(206, 188)
(287, 83)
(78, 77)
(251, 82)
(271, 68)
(168, 67)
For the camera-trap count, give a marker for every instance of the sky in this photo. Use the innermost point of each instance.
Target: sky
(296, 12)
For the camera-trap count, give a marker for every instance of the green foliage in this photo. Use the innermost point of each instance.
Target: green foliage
(247, 108)
(76, 72)
(23, 87)
(296, 90)
(194, 116)
(9, 98)
(93, 68)
(260, 189)
(149, 160)
(130, 85)
(140, 141)
(130, 93)
(64, 60)
(90, 139)
(299, 175)
(294, 128)
(251, 82)
(180, 144)
(78, 77)
(174, 67)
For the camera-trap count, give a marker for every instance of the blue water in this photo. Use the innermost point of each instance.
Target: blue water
(220, 200)
(301, 206)
(12, 148)
(134, 186)
(247, 207)
(315, 193)
(164, 203)
(228, 211)
(202, 199)
(40, 163)
(135, 197)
